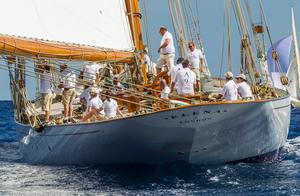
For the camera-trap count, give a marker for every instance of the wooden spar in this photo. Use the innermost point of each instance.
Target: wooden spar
(50, 49)
(134, 17)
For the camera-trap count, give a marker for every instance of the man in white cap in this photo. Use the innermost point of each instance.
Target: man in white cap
(166, 50)
(229, 92)
(94, 106)
(244, 89)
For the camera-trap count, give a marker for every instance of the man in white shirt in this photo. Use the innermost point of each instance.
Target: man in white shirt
(94, 106)
(175, 69)
(110, 106)
(90, 72)
(68, 83)
(229, 92)
(166, 50)
(185, 79)
(243, 88)
(46, 90)
(195, 57)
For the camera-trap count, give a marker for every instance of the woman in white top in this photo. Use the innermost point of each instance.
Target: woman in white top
(110, 106)
(94, 106)
(243, 88)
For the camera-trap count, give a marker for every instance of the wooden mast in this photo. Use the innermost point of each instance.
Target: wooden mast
(134, 17)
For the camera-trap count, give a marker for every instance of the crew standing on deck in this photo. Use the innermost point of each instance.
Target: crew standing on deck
(68, 83)
(185, 80)
(195, 57)
(166, 50)
(243, 88)
(46, 90)
(90, 72)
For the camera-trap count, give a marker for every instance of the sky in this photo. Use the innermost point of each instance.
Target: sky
(211, 17)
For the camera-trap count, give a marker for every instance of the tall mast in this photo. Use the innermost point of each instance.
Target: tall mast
(134, 17)
(296, 54)
(246, 43)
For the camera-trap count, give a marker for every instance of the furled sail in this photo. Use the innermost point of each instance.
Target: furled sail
(60, 28)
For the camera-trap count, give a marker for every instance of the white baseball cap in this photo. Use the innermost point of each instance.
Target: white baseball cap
(241, 76)
(228, 74)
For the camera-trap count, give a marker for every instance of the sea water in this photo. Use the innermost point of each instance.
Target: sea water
(18, 178)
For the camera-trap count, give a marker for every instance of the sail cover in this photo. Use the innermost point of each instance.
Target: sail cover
(100, 23)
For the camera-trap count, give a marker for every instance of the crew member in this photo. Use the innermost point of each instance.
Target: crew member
(243, 88)
(185, 80)
(229, 91)
(68, 83)
(166, 50)
(46, 90)
(195, 57)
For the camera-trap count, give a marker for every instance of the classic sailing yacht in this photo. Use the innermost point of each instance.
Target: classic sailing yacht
(199, 131)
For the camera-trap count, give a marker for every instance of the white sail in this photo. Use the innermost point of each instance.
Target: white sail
(296, 56)
(100, 23)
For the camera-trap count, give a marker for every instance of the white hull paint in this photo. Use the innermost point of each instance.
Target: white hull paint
(200, 134)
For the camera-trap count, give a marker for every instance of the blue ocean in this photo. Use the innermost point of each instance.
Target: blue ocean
(18, 178)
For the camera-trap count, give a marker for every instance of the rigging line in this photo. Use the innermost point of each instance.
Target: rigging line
(236, 17)
(173, 22)
(26, 102)
(194, 20)
(258, 47)
(82, 83)
(229, 36)
(186, 18)
(135, 85)
(4, 67)
(223, 42)
(270, 38)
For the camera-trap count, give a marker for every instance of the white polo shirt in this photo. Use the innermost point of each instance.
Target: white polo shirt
(174, 71)
(244, 90)
(110, 108)
(68, 77)
(90, 71)
(194, 58)
(230, 91)
(185, 79)
(170, 47)
(95, 103)
(45, 82)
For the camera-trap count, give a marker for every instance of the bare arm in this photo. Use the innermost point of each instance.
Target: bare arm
(165, 44)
